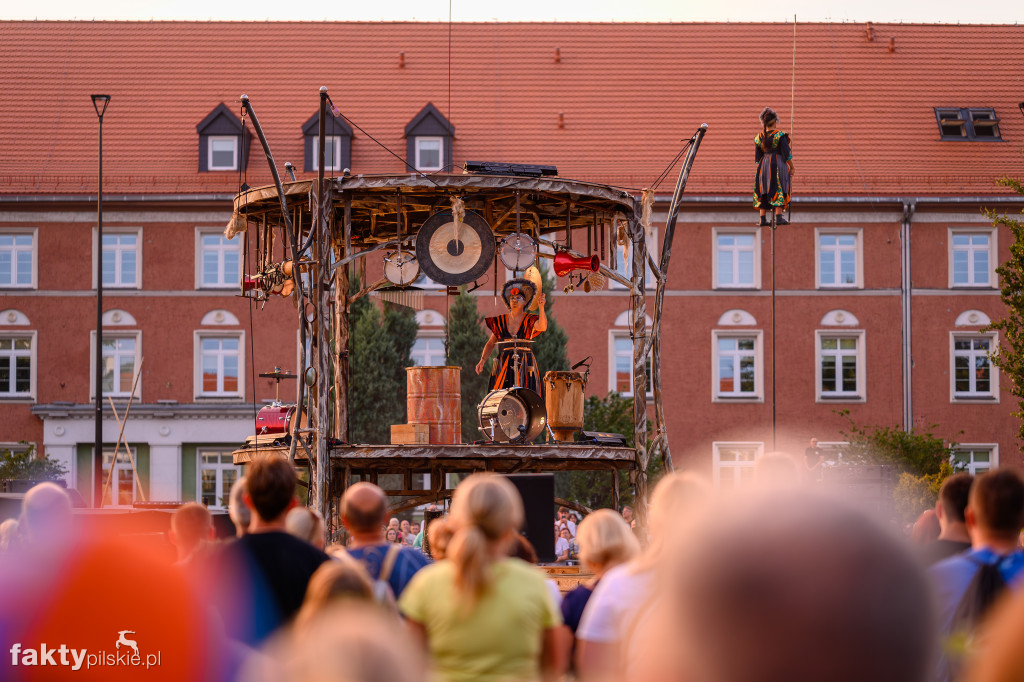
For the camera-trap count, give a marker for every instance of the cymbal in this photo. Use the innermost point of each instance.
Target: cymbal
(533, 275)
(277, 374)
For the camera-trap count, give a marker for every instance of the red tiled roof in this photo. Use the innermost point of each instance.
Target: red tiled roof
(864, 120)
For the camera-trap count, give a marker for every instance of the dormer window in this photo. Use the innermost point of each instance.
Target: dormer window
(429, 140)
(967, 124)
(223, 143)
(337, 147)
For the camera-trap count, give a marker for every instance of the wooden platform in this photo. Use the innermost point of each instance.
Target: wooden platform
(492, 457)
(350, 463)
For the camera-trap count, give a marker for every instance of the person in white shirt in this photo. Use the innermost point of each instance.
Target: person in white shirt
(625, 592)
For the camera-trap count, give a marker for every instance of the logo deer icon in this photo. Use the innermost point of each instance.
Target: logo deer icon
(121, 639)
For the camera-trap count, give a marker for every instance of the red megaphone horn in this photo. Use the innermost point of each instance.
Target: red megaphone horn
(564, 263)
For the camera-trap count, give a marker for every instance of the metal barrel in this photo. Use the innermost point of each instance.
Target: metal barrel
(434, 398)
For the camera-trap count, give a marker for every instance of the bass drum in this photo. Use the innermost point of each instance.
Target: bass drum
(503, 412)
(276, 420)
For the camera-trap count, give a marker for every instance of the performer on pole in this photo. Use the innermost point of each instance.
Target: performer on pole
(774, 160)
(513, 333)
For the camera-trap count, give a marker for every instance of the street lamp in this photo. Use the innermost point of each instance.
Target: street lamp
(99, 103)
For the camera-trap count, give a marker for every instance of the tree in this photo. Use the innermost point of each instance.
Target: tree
(380, 344)
(1010, 357)
(466, 340)
(26, 465)
(923, 461)
(915, 494)
(920, 454)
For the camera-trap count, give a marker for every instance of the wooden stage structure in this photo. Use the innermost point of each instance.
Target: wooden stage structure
(312, 234)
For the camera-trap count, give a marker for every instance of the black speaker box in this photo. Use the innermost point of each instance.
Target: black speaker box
(538, 493)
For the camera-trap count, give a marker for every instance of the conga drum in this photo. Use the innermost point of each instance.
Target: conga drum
(564, 401)
(433, 397)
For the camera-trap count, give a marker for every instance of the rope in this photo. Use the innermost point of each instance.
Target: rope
(672, 164)
(337, 112)
(792, 89)
(792, 121)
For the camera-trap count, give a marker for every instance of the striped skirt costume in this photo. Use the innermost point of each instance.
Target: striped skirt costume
(771, 184)
(509, 346)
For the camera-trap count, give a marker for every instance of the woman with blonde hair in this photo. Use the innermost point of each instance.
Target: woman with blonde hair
(481, 614)
(606, 541)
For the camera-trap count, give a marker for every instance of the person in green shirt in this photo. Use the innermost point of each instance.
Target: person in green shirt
(482, 615)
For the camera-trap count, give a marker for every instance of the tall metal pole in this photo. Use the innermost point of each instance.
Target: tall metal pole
(99, 103)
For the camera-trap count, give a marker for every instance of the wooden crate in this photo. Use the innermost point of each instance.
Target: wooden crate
(410, 434)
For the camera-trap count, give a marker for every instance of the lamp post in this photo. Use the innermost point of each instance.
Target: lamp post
(99, 103)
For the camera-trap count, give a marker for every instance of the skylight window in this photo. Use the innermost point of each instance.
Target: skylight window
(967, 123)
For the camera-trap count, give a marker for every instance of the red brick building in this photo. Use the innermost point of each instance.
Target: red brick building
(882, 284)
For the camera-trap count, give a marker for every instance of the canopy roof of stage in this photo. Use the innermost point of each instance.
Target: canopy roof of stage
(546, 204)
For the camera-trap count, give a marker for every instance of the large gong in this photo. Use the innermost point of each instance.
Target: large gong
(453, 257)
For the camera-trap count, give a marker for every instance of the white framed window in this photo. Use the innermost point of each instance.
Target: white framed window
(18, 260)
(972, 258)
(122, 352)
(18, 365)
(122, 489)
(218, 259)
(737, 259)
(624, 264)
(738, 365)
(840, 259)
(217, 473)
(840, 366)
(122, 258)
(620, 364)
(219, 365)
(332, 153)
(222, 152)
(429, 153)
(972, 373)
(733, 464)
(976, 458)
(428, 349)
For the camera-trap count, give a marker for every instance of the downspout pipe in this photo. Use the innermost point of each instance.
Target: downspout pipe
(906, 300)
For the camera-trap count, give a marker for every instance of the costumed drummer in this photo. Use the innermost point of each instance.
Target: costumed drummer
(513, 333)
(774, 160)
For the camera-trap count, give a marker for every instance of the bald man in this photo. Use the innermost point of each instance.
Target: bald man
(46, 516)
(364, 509)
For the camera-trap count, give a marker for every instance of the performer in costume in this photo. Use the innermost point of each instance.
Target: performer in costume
(513, 333)
(774, 160)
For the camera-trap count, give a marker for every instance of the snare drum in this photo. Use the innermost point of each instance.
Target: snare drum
(275, 419)
(503, 412)
(564, 397)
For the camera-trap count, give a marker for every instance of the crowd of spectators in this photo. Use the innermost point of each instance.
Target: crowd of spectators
(778, 584)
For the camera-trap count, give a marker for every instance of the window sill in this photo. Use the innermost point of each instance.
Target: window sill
(841, 399)
(726, 399)
(969, 399)
(17, 400)
(206, 398)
